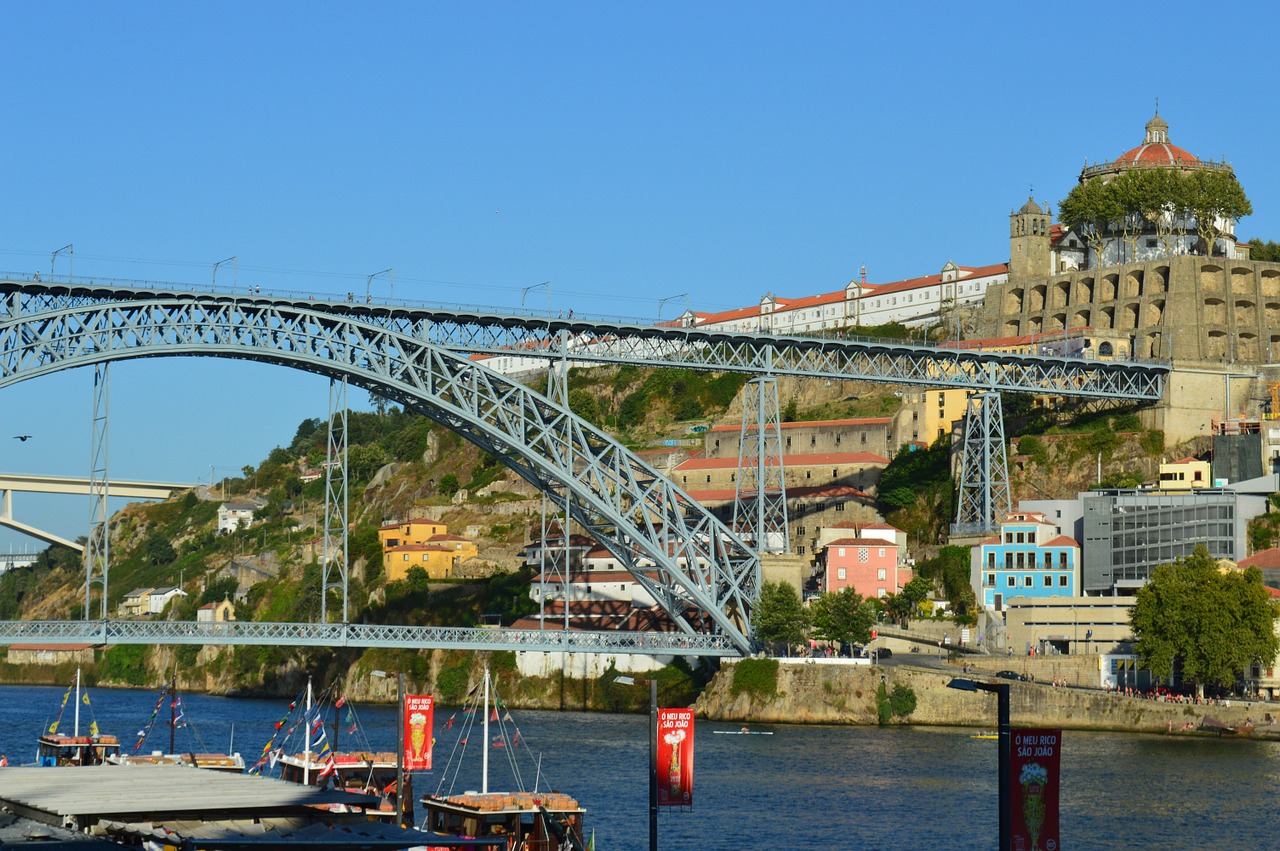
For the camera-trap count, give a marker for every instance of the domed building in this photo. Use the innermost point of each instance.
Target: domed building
(1147, 289)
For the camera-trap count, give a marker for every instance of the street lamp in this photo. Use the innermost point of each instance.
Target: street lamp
(369, 281)
(400, 784)
(235, 273)
(1002, 734)
(71, 260)
(663, 301)
(653, 754)
(525, 291)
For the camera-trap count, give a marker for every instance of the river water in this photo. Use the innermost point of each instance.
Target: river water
(803, 787)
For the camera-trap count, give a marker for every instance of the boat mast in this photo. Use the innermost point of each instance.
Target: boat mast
(306, 735)
(484, 745)
(173, 713)
(77, 727)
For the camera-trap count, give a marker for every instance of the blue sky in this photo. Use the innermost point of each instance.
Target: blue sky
(625, 152)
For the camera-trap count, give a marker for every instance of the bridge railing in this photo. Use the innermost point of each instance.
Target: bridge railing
(114, 632)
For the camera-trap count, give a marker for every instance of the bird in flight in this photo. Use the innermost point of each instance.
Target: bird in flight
(23, 437)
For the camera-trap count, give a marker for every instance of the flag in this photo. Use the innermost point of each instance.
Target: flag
(493, 716)
(448, 725)
(330, 766)
(507, 717)
(53, 728)
(498, 743)
(342, 701)
(180, 718)
(84, 698)
(93, 728)
(515, 740)
(591, 843)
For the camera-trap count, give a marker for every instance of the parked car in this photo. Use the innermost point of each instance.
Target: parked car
(1013, 675)
(883, 653)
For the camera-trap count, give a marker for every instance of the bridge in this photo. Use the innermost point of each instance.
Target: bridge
(14, 482)
(420, 357)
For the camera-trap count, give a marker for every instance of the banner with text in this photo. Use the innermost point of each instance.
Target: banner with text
(419, 726)
(675, 757)
(1034, 786)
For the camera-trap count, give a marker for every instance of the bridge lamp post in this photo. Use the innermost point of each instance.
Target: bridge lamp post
(653, 753)
(400, 792)
(235, 273)
(369, 281)
(1001, 691)
(71, 260)
(663, 301)
(525, 291)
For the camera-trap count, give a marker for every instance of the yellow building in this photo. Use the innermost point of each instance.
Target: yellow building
(422, 543)
(1184, 475)
(416, 531)
(927, 415)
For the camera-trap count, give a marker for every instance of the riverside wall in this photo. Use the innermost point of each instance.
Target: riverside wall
(820, 692)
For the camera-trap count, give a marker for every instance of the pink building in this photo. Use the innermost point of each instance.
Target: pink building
(868, 565)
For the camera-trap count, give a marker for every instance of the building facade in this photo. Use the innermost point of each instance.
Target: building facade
(1027, 559)
(1129, 533)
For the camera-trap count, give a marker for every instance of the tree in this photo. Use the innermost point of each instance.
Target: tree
(1089, 209)
(448, 485)
(1212, 624)
(1214, 197)
(159, 550)
(843, 617)
(779, 615)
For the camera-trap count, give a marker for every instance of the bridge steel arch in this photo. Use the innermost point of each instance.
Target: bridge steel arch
(708, 578)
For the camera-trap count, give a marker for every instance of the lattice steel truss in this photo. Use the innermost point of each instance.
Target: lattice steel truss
(704, 575)
(609, 341)
(760, 498)
(985, 495)
(366, 635)
(97, 550)
(336, 548)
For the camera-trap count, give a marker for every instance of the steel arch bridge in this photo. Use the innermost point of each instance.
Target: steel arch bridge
(708, 577)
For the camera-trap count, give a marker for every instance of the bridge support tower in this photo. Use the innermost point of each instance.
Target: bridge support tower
(985, 496)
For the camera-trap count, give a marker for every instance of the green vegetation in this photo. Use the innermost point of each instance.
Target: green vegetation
(1206, 625)
(899, 703)
(913, 473)
(756, 677)
(1161, 198)
(843, 617)
(1268, 251)
(779, 617)
(949, 570)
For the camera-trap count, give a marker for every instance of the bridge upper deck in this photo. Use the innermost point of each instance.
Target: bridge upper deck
(534, 337)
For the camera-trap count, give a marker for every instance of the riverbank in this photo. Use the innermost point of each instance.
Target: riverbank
(809, 692)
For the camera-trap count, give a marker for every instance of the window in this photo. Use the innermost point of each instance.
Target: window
(800, 531)
(708, 480)
(799, 551)
(991, 580)
(835, 474)
(991, 561)
(1022, 560)
(840, 573)
(880, 593)
(840, 553)
(1048, 582)
(880, 574)
(1008, 537)
(1012, 581)
(839, 506)
(1008, 561)
(1062, 581)
(813, 440)
(862, 555)
(1062, 560)
(881, 553)
(1022, 539)
(1026, 580)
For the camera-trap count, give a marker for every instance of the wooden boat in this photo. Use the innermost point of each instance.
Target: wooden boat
(528, 821)
(743, 732)
(54, 749)
(231, 762)
(364, 772)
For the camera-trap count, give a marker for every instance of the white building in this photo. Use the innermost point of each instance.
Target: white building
(233, 515)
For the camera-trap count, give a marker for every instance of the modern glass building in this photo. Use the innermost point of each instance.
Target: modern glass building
(1129, 533)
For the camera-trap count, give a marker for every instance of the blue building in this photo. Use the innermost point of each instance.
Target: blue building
(1027, 559)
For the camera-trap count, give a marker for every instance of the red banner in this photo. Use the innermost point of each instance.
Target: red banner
(675, 757)
(1033, 790)
(419, 731)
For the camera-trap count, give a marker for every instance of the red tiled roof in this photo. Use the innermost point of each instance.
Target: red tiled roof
(822, 458)
(50, 646)
(819, 423)
(1269, 558)
(862, 542)
(1063, 541)
(819, 492)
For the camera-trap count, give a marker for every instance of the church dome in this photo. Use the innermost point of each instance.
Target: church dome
(1155, 149)
(1031, 207)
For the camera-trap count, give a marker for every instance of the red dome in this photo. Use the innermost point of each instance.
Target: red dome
(1160, 154)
